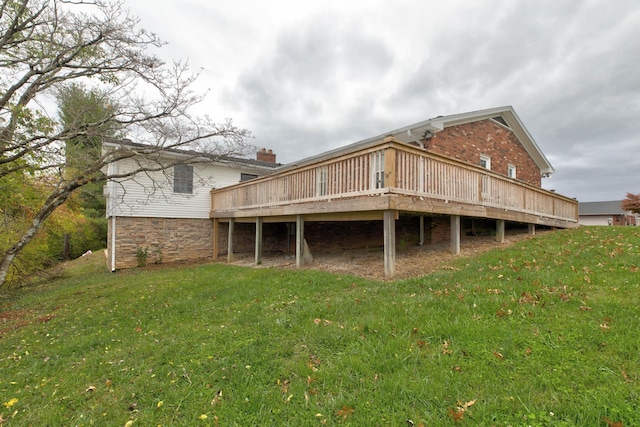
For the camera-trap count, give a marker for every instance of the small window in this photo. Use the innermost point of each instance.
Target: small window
(183, 179)
(247, 177)
(377, 168)
(323, 174)
(485, 161)
(511, 171)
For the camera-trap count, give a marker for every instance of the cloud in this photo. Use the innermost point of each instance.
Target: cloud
(314, 85)
(310, 77)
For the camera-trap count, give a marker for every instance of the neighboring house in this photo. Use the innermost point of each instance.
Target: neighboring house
(163, 216)
(424, 183)
(605, 213)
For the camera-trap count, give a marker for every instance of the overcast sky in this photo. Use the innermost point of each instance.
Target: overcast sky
(308, 76)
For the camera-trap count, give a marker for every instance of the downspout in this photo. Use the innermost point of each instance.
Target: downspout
(111, 194)
(113, 243)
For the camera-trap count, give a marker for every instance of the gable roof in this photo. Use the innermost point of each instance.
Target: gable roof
(115, 144)
(505, 116)
(601, 208)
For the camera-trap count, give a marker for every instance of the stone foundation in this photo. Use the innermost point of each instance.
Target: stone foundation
(163, 239)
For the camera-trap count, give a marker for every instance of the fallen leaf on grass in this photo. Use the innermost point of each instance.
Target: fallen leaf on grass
(445, 347)
(90, 388)
(284, 385)
(10, 403)
(217, 398)
(498, 355)
(457, 414)
(345, 412)
(625, 376)
(611, 423)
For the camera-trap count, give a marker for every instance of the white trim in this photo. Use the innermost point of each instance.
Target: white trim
(113, 243)
(485, 161)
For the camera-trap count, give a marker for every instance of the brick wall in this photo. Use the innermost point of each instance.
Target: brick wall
(467, 142)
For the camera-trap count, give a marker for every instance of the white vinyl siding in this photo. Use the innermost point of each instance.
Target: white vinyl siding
(151, 194)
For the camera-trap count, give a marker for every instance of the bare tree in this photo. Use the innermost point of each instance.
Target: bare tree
(45, 44)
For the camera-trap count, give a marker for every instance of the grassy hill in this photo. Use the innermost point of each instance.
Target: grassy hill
(543, 333)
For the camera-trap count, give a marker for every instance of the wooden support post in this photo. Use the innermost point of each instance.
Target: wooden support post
(421, 242)
(299, 241)
(532, 229)
(216, 232)
(455, 234)
(390, 168)
(389, 243)
(258, 240)
(230, 240)
(500, 231)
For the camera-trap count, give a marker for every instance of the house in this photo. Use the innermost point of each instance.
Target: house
(429, 182)
(163, 215)
(605, 213)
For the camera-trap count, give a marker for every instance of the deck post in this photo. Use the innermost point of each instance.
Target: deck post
(455, 234)
(532, 229)
(421, 242)
(389, 243)
(230, 240)
(390, 167)
(216, 232)
(299, 241)
(500, 231)
(258, 240)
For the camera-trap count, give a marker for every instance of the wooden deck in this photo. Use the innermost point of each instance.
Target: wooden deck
(380, 180)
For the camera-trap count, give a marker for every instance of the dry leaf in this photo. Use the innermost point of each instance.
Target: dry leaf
(456, 415)
(345, 412)
(90, 388)
(10, 403)
(498, 355)
(466, 405)
(217, 398)
(611, 423)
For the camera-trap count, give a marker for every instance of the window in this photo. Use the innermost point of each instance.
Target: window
(377, 162)
(511, 171)
(323, 173)
(485, 161)
(247, 176)
(183, 179)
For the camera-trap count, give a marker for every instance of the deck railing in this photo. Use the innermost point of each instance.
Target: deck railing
(393, 168)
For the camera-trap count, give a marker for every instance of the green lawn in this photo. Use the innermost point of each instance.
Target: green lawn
(542, 333)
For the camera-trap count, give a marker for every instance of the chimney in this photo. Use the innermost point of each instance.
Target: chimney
(266, 156)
